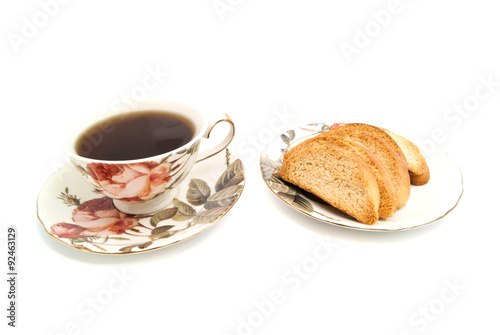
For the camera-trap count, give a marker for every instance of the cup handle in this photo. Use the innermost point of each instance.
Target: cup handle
(223, 144)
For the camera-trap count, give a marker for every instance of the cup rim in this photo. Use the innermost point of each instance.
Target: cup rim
(99, 117)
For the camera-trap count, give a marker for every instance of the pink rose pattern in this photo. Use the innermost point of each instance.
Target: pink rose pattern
(131, 182)
(336, 125)
(96, 217)
(67, 230)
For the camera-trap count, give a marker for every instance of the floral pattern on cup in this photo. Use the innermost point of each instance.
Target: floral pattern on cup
(137, 181)
(95, 217)
(131, 182)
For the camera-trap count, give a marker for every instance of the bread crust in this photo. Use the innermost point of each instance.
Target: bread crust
(398, 170)
(377, 132)
(417, 165)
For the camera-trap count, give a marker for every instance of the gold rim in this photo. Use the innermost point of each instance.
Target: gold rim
(138, 251)
(340, 224)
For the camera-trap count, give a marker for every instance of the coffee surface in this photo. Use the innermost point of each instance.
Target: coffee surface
(135, 135)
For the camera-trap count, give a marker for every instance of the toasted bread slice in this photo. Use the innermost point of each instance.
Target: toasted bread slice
(398, 170)
(377, 132)
(417, 165)
(338, 176)
(387, 195)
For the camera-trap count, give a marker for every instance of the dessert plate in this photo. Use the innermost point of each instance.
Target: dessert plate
(72, 213)
(427, 203)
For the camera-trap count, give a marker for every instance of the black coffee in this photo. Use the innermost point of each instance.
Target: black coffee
(135, 135)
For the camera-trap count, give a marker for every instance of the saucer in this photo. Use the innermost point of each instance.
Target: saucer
(73, 213)
(427, 203)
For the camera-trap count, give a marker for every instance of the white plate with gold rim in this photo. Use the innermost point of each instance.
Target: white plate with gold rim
(73, 213)
(427, 203)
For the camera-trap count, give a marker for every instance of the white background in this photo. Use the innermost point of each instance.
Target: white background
(251, 61)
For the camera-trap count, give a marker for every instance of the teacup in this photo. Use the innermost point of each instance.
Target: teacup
(146, 185)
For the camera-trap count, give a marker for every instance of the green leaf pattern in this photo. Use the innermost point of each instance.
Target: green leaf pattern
(162, 215)
(225, 197)
(233, 175)
(226, 191)
(209, 215)
(184, 211)
(212, 203)
(198, 192)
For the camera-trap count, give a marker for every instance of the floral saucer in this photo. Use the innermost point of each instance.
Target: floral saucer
(73, 213)
(427, 203)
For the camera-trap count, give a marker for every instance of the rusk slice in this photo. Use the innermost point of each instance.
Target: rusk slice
(338, 176)
(398, 169)
(417, 165)
(387, 195)
(377, 132)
